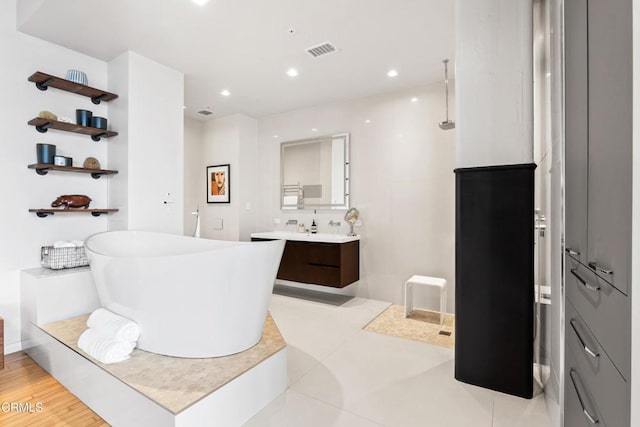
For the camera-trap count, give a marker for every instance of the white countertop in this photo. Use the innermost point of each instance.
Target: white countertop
(306, 237)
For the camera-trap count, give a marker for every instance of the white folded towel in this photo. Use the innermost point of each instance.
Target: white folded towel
(63, 244)
(114, 326)
(78, 243)
(104, 349)
(290, 200)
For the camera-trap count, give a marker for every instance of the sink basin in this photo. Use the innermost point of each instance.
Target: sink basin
(306, 237)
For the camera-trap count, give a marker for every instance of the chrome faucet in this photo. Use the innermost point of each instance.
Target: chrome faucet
(292, 222)
(333, 223)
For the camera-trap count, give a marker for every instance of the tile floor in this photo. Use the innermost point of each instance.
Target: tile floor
(343, 376)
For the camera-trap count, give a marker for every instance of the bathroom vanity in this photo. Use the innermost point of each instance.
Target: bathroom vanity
(319, 259)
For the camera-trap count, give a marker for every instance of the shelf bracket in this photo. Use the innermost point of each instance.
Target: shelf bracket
(44, 128)
(96, 99)
(42, 171)
(95, 175)
(97, 137)
(44, 85)
(43, 214)
(96, 213)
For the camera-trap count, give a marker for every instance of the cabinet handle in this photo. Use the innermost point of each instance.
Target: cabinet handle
(582, 343)
(594, 266)
(591, 418)
(572, 252)
(584, 282)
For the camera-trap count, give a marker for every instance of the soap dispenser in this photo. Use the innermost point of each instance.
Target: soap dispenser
(314, 227)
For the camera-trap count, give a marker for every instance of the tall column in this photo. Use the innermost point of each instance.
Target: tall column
(494, 195)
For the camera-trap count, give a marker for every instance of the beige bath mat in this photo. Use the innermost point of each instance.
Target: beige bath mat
(422, 325)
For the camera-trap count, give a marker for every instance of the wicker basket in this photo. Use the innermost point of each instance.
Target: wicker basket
(59, 258)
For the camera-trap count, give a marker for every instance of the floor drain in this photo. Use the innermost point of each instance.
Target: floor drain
(447, 333)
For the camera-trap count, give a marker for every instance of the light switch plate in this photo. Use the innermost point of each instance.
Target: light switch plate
(276, 221)
(217, 223)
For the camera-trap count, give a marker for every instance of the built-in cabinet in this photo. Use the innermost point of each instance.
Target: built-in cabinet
(598, 172)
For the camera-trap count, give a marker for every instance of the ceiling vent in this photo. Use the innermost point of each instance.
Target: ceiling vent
(205, 112)
(321, 49)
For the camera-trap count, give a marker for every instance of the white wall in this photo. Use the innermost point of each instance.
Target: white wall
(23, 233)
(402, 182)
(220, 146)
(194, 174)
(154, 135)
(494, 82)
(231, 140)
(249, 179)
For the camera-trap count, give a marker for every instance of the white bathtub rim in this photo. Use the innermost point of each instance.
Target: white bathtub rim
(224, 245)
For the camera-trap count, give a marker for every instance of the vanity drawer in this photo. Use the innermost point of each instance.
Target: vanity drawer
(324, 254)
(604, 310)
(323, 275)
(597, 393)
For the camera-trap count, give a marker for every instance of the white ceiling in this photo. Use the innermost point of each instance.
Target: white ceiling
(244, 45)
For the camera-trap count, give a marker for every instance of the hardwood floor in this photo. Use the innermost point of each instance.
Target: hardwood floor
(29, 396)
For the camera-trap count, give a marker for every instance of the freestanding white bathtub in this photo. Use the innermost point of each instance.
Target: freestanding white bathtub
(191, 297)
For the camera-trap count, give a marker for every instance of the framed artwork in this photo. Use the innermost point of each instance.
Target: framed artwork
(218, 184)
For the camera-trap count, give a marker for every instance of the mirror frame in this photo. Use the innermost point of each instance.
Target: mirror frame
(347, 162)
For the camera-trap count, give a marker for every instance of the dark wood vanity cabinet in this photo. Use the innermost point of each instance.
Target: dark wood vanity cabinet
(319, 263)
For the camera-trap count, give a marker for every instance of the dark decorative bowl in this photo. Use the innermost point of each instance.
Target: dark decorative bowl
(99, 122)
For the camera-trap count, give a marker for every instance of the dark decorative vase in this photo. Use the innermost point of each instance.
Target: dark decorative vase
(83, 117)
(45, 153)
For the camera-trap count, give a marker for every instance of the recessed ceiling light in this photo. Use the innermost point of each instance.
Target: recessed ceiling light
(392, 73)
(314, 130)
(275, 136)
(200, 2)
(225, 93)
(414, 99)
(367, 121)
(292, 72)
(184, 107)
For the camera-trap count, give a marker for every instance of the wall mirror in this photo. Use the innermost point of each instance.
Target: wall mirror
(314, 173)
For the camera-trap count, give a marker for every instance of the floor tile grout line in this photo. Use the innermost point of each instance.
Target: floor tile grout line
(338, 408)
(331, 353)
(493, 410)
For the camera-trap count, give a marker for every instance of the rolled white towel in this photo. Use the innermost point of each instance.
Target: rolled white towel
(77, 243)
(114, 326)
(104, 349)
(63, 244)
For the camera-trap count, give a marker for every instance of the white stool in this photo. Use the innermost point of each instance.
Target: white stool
(425, 281)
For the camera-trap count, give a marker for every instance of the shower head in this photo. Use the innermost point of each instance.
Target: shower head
(447, 124)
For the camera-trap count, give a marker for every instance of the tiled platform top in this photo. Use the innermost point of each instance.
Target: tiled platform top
(174, 383)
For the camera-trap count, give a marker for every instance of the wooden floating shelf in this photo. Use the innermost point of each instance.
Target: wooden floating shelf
(43, 125)
(94, 212)
(43, 81)
(44, 168)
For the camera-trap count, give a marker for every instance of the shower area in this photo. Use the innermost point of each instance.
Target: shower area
(548, 215)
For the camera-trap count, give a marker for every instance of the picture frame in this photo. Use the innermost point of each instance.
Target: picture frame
(219, 183)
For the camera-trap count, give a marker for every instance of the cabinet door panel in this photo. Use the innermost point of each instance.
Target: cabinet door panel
(576, 126)
(610, 136)
(293, 263)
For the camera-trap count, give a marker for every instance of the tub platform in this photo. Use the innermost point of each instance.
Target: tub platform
(160, 390)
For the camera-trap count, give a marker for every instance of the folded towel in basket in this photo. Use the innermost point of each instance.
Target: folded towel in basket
(63, 244)
(114, 326)
(106, 350)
